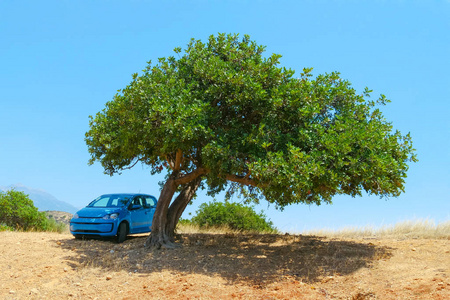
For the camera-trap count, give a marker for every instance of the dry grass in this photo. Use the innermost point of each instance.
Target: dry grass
(190, 228)
(423, 229)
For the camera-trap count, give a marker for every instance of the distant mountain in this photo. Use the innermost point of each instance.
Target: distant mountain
(43, 200)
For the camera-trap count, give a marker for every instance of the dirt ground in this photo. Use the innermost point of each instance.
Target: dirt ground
(223, 266)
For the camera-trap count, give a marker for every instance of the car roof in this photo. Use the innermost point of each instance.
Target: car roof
(128, 194)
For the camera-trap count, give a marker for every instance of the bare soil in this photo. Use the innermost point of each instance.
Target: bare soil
(223, 266)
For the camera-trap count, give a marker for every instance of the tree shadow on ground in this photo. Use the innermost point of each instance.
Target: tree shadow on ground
(252, 258)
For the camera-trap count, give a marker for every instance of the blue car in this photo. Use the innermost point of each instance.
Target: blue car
(115, 215)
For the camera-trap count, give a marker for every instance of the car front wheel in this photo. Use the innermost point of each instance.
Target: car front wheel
(122, 233)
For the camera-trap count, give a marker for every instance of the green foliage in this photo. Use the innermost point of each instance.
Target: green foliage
(235, 216)
(249, 126)
(17, 212)
(4, 227)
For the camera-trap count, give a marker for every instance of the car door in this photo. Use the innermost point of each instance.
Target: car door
(150, 206)
(139, 215)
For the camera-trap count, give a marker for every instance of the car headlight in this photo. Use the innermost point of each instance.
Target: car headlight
(111, 216)
(75, 216)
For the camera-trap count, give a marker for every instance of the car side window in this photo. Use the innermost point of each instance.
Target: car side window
(150, 202)
(137, 201)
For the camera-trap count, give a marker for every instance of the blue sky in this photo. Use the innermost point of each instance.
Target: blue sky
(61, 61)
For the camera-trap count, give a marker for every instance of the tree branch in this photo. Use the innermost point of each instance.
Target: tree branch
(191, 176)
(129, 167)
(170, 162)
(241, 179)
(178, 160)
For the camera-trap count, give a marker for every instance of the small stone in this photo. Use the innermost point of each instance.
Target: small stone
(12, 292)
(112, 251)
(108, 277)
(328, 278)
(34, 291)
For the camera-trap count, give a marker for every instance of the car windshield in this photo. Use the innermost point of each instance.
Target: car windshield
(115, 200)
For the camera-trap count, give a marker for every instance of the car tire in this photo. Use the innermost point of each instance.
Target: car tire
(122, 233)
(78, 237)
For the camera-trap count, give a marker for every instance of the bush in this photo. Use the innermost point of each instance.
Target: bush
(4, 227)
(17, 212)
(232, 215)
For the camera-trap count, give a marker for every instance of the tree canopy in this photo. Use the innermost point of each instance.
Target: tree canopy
(224, 116)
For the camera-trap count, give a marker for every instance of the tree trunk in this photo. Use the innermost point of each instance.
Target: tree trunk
(178, 206)
(159, 236)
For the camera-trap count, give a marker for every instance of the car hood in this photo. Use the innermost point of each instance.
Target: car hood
(97, 212)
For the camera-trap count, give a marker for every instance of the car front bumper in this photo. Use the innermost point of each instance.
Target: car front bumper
(93, 226)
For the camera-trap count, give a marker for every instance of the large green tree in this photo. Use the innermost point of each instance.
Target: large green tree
(222, 116)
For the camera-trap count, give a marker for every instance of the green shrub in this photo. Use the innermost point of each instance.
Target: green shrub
(232, 215)
(4, 227)
(17, 212)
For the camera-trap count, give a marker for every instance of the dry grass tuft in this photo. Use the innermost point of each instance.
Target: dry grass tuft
(425, 229)
(190, 228)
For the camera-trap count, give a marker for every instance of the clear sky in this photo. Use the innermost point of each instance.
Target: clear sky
(61, 61)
